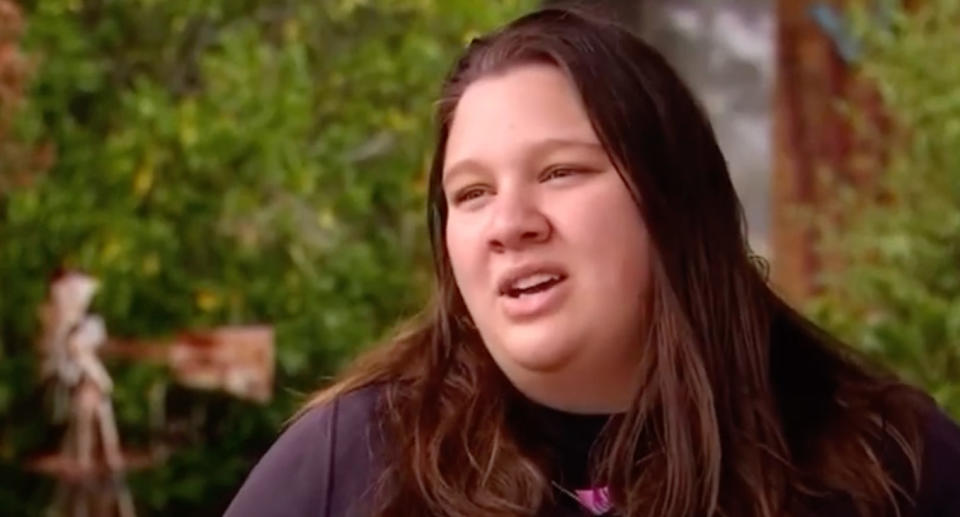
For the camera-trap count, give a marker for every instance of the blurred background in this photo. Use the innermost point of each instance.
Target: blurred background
(233, 163)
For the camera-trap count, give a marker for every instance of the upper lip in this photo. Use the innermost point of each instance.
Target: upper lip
(510, 276)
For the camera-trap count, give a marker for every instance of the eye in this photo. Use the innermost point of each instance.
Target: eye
(562, 171)
(468, 194)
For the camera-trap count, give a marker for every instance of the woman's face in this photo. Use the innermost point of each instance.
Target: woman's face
(547, 245)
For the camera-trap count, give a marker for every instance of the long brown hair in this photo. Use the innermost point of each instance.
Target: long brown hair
(747, 409)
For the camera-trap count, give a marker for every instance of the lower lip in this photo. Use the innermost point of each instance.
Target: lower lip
(529, 306)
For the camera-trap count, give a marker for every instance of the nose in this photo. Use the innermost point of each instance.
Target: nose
(517, 222)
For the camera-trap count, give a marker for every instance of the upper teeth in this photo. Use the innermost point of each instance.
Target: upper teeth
(532, 280)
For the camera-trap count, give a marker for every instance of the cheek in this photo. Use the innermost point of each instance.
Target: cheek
(465, 258)
(613, 236)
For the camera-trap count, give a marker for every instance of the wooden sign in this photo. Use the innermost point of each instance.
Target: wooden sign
(237, 360)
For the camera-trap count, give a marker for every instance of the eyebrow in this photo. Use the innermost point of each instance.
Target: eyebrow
(540, 148)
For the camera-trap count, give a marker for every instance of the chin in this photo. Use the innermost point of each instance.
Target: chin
(541, 356)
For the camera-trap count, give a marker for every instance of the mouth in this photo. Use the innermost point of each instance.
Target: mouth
(530, 280)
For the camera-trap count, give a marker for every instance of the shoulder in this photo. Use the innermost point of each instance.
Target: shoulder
(940, 469)
(322, 463)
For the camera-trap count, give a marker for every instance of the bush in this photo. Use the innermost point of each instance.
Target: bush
(218, 162)
(897, 292)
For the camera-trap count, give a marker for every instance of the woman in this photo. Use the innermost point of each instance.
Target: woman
(600, 339)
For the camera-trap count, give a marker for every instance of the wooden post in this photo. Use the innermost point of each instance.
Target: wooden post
(816, 146)
(810, 139)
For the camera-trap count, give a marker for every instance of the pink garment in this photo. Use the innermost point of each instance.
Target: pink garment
(596, 500)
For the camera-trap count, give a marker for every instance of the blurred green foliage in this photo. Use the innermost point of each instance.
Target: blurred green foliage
(220, 162)
(897, 292)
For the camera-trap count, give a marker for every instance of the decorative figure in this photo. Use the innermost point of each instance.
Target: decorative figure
(81, 389)
(91, 464)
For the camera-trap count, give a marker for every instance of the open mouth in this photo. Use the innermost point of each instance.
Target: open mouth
(532, 284)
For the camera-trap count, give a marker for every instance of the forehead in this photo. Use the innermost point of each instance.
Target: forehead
(505, 113)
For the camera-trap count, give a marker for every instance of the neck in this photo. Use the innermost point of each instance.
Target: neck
(572, 392)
